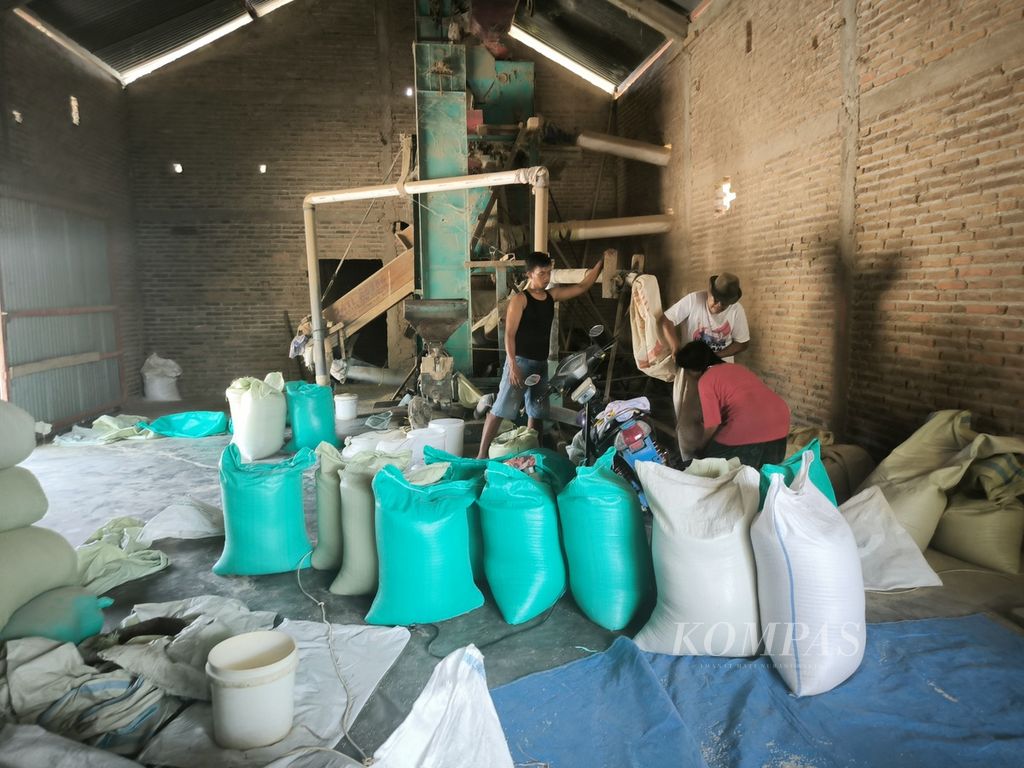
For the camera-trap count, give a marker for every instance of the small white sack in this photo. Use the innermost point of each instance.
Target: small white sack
(810, 586)
(258, 411)
(889, 558)
(160, 378)
(18, 430)
(453, 722)
(703, 561)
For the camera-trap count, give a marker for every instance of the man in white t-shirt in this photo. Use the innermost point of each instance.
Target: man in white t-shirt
(715, 317)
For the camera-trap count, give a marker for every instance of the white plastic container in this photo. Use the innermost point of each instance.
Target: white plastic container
(453, 434)
(252, 682)
(346, 407)
(418, 438)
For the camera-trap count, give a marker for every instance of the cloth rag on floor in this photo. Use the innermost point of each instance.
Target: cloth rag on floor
(178, 664)
(652, 355)
(930, 692)
(105, 430)
(185, 519)
(29, 746)
(51, 686)
(365, 653)
(116, 554)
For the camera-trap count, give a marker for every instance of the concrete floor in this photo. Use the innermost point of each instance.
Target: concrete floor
(87, 486)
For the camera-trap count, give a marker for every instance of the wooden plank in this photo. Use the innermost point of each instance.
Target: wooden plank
(375, 295)
(66, 361)
(61, 311)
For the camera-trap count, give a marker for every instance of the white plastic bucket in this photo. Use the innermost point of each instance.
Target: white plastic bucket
(252, 682)
(346, 407)
(453, 434)
(433, 436)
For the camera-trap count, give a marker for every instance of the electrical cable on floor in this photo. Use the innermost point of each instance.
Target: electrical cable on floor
(437, 633)
(978, 570)
(337, 666)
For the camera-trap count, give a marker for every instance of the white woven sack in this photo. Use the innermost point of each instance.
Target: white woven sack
(17, 435)
(703, 561)
(258, 411)
(810, 587)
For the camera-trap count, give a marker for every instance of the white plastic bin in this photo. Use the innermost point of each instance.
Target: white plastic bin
(453, 434)
(418, 438)
(252, 682)
(346, 407)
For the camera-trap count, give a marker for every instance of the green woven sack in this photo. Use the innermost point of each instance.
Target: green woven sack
(522, 550)
(311, 413)
(791, 467)
(610, 570)
(65, 614)
(423, 546)
(264, 525)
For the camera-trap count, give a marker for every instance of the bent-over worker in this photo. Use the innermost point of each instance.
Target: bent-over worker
(728, 411)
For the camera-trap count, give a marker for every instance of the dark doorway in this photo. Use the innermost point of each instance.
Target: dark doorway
(372, 342)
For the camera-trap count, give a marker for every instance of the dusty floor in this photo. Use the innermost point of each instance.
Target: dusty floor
(87, 486)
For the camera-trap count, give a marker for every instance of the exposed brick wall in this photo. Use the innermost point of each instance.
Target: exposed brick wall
(937, 285)
(222, 246)
(48, 159)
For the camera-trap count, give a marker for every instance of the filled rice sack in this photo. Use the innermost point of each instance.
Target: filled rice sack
(358, 573)
(703, 561)
(311, 413)
(22, 501)
(423, 547)
(610, 570)
(17, 435)
(64, 614)
(33, 560)
(522, 548)
(789, 468)
(257, 415)
(264, 523)
(810, 586)
(328, 551)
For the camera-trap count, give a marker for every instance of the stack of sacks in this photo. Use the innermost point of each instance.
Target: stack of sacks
(703, 561)
(949, 482)
(258, 412)
(38, 568)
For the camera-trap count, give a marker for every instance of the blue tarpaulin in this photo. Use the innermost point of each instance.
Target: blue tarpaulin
(933, 692)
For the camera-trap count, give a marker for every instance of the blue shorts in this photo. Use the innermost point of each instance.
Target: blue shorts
(510, 399)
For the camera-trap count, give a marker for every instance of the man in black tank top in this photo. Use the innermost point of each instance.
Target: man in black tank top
(527, 337)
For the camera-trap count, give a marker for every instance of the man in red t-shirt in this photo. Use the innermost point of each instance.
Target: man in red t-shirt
(730, 412)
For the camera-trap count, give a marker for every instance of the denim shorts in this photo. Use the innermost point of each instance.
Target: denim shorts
(510, 399)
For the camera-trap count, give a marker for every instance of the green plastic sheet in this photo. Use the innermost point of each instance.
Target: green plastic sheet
(189, 424)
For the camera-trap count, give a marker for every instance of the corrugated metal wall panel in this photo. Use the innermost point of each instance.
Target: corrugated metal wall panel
(51, 257)
(61, 394)
(39, 338)
(57, 259)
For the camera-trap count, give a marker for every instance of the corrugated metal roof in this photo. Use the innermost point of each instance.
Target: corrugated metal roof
(598, 36)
